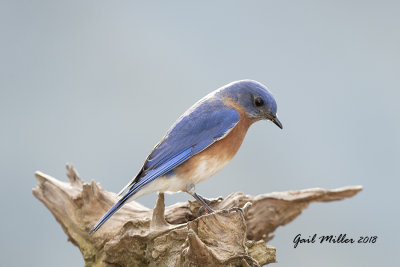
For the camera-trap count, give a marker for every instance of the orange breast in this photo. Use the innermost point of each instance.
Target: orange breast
(216, 156)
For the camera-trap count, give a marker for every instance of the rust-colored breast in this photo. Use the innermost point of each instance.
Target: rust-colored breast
(216, 156)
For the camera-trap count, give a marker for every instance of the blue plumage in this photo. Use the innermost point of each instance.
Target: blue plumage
(203, 124)
(151, 175)
(199, 128)
(208, 121)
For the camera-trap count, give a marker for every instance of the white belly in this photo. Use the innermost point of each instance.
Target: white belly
(175, 183)
(206, 169)
(170, 184)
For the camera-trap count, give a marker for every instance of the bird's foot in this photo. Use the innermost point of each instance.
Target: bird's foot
(233, 209)
(202, 209)
(205, 208)
(244, 210)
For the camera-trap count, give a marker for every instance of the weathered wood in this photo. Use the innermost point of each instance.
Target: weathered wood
(174, 235)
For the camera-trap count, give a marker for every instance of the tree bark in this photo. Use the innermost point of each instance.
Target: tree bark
(174, 235)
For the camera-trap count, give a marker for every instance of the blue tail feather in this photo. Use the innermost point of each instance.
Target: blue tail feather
(107, 216)
(166, 167)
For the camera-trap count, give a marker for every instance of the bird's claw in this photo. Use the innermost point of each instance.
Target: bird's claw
(233, 209)
(227, 211)
(207, 210)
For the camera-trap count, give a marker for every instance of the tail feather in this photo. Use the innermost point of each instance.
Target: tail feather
(121, 202)
(135, 187)
(110, 213)
(125, 188)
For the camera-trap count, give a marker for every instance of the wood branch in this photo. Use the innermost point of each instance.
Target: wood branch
(174, 235)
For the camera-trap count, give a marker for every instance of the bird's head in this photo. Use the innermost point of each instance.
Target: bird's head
(255, 98)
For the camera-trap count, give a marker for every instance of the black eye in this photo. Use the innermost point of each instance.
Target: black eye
(258, 101)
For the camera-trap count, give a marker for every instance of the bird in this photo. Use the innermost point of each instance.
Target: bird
(200, 143)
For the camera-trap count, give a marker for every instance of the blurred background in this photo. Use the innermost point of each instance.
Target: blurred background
(98, 83)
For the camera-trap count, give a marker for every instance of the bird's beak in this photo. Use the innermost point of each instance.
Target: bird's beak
(277, 122)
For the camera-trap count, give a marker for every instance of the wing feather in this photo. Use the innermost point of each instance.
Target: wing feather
(202, 125)
(198, 128)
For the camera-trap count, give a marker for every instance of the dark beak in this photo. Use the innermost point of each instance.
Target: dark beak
(277, 122)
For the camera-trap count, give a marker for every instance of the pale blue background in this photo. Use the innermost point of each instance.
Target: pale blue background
(97, 83)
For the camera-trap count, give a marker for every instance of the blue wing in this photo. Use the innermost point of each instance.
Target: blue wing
(205, 123)
(153, 174)
(198, 129)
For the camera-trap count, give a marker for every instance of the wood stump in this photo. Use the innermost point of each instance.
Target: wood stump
(174, 235)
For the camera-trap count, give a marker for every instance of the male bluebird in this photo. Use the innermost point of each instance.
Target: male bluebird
(201, 142)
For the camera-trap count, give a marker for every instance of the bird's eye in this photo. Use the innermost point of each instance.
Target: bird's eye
(258, 101)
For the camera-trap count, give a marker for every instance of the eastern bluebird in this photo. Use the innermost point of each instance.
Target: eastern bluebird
(201, 142)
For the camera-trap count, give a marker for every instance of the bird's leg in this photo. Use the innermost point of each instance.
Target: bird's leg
(204, 204)
(201, 209)
(190, 189)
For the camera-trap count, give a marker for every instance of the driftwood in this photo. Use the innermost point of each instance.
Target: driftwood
(174, 235)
